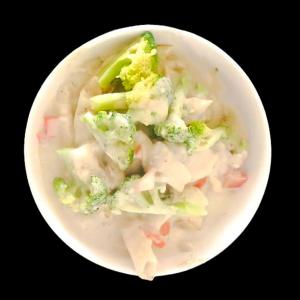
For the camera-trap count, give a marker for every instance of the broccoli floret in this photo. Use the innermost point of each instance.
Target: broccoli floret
(121, 101)
(138, 62)
(88, 197)
(174, 128)
(98, 194)
(201, 136)
(115, 133)
(152, 107)
(195, 136)
(64, 190)
(89, 160)
(124, 100)
(147, 103)
(158, 200)
(125, 197)
(196, 128)
(84, 198)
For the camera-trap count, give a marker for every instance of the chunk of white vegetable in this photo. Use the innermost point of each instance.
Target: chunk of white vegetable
(168, 169)
(140, 250)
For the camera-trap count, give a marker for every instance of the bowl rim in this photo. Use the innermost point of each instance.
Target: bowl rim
(66, 236)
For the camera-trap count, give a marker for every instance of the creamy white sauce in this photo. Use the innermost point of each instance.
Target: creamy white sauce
(166, 163)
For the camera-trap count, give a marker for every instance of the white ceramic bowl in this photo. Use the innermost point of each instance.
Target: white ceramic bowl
(221, 227)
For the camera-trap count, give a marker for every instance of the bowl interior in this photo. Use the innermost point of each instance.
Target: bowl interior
(226, 219)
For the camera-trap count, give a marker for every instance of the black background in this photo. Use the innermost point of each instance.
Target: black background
(45, 37)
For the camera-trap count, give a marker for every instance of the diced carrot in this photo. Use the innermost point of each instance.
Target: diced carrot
(200, 183)
(137, 148)
(234, 179)
(157, 241)
(49, 128)
(50, 123)
(138, 151)
(165, 228)
(41, 136)
(47, 118)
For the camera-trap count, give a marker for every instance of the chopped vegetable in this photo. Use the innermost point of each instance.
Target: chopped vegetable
(50, 125)
(41, 136)
(112, 101)
(200, 183)
(49, 129)
(157, 200)
(234, 140)
(137, 149)
(190, 202)
(165, 228)
(115, 134)
(157, 241)
(65, 191)
(147, 102)
(174, 128)
(201, 136)
(85, 198)
(98, 193)
(138, 62)
(234, 179)
(153, 107)
(144, 141)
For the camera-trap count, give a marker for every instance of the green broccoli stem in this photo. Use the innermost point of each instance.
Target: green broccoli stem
(148, 36)
(121, 101)
(113, 71)
(112, 101)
